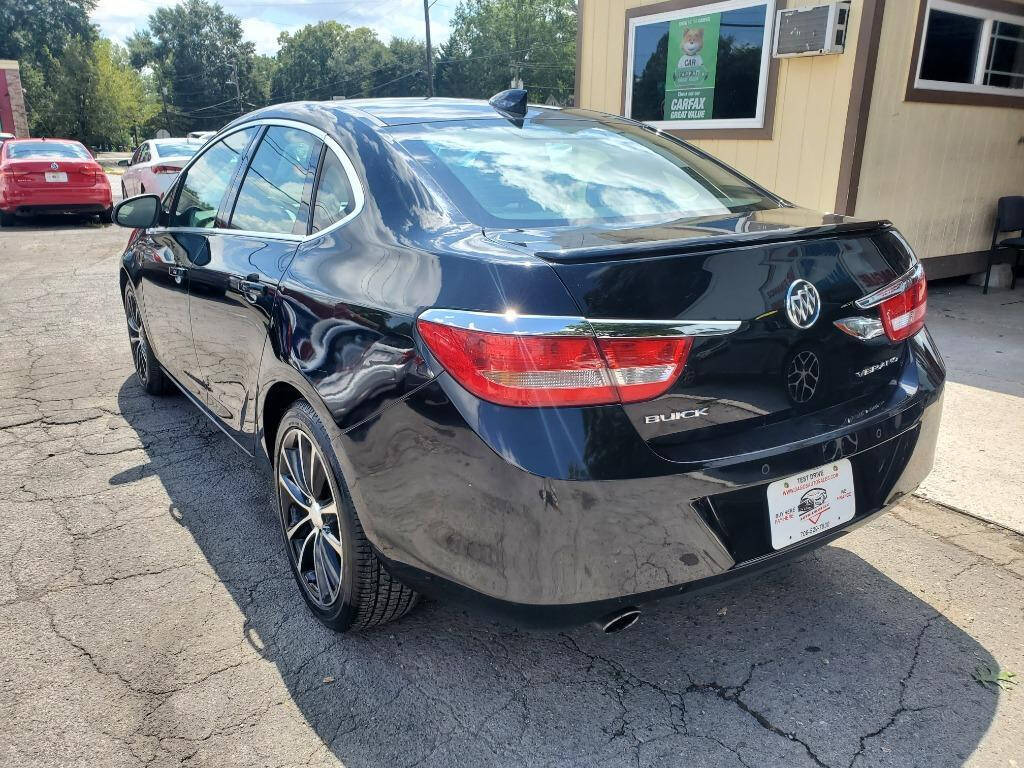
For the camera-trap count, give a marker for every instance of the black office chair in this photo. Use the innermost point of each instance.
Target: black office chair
(1009, 218)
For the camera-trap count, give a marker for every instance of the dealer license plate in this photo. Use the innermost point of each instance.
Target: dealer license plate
(810, 502)
(59, 176)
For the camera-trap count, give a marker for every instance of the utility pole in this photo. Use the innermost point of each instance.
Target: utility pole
(238, 91)
(163, 98)
(430, 54)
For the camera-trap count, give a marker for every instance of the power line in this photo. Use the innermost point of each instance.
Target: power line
(389, 82)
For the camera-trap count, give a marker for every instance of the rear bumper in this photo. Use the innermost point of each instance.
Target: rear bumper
(556, 524)
(25, 201)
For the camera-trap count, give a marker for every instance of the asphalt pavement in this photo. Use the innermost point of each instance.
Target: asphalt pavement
(147, 615)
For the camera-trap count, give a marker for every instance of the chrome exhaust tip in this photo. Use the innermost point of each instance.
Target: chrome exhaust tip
(624, 618)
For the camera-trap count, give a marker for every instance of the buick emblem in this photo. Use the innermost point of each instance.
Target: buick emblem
(54, 166)
(803, 304)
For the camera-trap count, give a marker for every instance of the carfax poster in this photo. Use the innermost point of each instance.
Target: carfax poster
(692, 64)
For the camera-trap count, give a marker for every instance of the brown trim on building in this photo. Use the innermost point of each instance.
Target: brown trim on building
(765, 132)
(579, 53)
(939, 96)
(865, 63)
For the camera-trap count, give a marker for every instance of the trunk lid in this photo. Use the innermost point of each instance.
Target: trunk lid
(768, 377)
(32, 172)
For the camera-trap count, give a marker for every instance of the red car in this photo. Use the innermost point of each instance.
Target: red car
(51, 176)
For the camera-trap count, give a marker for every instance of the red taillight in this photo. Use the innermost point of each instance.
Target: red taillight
(519, 370)
(903, 314)
(166, 168)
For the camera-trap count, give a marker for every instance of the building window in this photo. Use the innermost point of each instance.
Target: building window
(703, 66)
(971, 49)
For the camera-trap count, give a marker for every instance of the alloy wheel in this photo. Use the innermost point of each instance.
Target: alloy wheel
(309, 514)
(803, 376)
(136, 335)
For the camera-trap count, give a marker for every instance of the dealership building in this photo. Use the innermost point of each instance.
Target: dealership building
(909, 110)
(12, 100)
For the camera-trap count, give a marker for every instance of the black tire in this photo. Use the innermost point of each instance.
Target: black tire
(7, 219)
(124, 192)
(367, 595)
(106, 216)
(147, 368)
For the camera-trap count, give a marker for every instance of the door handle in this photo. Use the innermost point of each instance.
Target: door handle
(178, 273)
(252, 288)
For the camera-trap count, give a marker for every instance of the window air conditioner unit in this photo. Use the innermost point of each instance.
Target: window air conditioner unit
(812, 30)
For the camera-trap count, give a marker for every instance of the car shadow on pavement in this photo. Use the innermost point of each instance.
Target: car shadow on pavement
(55, 223)
(827, 662)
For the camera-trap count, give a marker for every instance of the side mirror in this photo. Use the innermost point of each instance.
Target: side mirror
(140, 212)
(124, 163)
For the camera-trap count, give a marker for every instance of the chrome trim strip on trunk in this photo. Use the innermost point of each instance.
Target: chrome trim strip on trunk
(610, 329)
(895, 288)
(558, 325)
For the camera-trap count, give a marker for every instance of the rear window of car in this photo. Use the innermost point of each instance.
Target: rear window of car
(563, 171)
(176, 149)
(21, 150)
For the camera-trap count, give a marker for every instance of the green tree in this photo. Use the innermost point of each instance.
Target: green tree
(328, 59)
(94, 95)
(31, 30)
(404, 73)
(262, 77)
(41, 35)
(195, 49)
(494, 41)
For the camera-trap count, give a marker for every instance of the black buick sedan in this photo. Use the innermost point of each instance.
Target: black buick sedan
(551, 362)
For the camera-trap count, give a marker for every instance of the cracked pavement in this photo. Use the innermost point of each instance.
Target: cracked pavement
(147, 615)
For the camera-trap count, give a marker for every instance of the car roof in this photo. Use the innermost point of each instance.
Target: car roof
(404, 111)
(46, 139)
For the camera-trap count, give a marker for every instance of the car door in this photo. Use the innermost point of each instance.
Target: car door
(131, 173)
(169, 253)
(233, 291)
(139, 170)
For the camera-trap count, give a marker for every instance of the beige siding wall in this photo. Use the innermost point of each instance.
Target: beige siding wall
(936, 170)
(801, 160)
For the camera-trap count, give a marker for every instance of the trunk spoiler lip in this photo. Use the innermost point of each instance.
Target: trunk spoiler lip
(714, 242)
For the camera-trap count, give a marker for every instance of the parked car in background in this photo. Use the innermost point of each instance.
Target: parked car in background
(545, 361)
(4, 137)
(154, 165)
(201, 136)
(51, 176)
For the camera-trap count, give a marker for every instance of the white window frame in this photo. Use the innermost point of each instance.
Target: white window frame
(988, 17)
(700, 10)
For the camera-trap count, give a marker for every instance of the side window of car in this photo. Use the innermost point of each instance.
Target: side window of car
(334, 198)
(207, 179)
(136, 155)
(144, 157)
(270, 198)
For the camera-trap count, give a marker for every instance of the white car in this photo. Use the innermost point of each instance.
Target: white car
(201, 136)
(154, 165)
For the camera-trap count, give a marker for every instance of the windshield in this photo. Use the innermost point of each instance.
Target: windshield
(562, 171)
(23, 149)
(175, 149)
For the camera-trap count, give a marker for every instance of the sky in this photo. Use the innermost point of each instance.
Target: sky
(264, 20)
